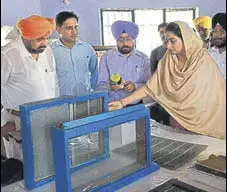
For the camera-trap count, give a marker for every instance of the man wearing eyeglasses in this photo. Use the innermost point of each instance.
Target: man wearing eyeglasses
(130, 64)
(218, 51)
(76, 60)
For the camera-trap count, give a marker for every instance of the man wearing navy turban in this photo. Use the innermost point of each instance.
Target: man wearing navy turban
(130, 64)
(218, 51)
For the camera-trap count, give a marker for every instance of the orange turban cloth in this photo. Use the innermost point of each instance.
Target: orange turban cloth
(35, 27)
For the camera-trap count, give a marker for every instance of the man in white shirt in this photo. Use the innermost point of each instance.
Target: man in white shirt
(218, 51)
(27, 70)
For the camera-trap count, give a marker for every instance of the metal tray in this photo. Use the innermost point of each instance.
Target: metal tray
(174, 185)
(210, 170)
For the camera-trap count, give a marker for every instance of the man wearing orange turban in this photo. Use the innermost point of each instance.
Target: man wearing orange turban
(35, 31)
(27, 70)
(35, 27)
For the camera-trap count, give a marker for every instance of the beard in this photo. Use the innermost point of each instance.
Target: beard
(124, 49)
(219, 42)
(205, 37)
(204, 34)
(36, 51)
(31, 50)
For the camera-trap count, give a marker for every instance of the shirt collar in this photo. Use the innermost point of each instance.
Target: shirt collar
(24, 52)
(59, 43)
(134, 52)
(215, 50)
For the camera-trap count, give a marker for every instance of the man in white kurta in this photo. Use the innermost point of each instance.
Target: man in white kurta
(27, 70)
(218, 51)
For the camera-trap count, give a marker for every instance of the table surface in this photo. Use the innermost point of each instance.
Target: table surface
(186, 173)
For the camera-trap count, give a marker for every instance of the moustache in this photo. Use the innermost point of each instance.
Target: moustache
(42, 47)
(218, 39)
(126, 47)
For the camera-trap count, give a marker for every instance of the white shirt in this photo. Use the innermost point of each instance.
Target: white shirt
(23, 79)
(220, 59)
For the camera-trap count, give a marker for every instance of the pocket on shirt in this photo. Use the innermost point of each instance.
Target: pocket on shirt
(140, 69)
(50, 79)
(18, 75)
(84, 60)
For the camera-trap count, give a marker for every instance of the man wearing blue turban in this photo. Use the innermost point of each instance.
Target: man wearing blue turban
(129, 64)
(120, 27)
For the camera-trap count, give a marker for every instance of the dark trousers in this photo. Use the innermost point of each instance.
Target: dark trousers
(159, 114)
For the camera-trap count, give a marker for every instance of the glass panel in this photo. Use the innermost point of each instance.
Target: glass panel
(42, 121)
(108, 18)
(180, 15)
(148, 38)
(116, 166)
(88, 108)
(95, 106)
(80, 110)
(108, 37)
(149, 16)
(196, 12)
(85, 148)
(90, 142)
(6, 32)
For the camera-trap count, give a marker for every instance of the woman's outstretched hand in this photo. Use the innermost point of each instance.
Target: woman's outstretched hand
(115, 105)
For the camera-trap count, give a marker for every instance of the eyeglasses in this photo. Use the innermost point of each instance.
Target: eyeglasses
(124, 39)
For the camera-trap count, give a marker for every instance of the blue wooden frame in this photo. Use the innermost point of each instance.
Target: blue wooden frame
(94, 124)
(27, 149)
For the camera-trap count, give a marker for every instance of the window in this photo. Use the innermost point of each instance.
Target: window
(148, 37)
(8, 33)
(108, 17)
